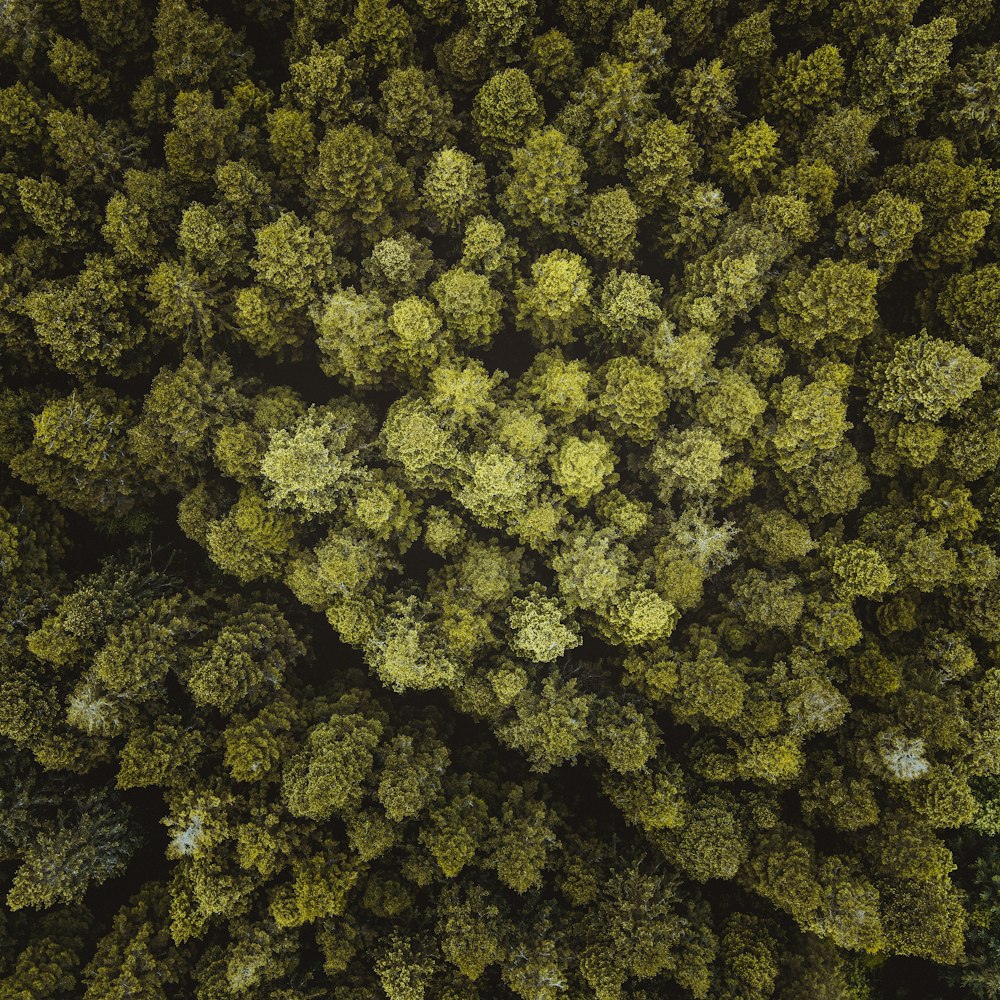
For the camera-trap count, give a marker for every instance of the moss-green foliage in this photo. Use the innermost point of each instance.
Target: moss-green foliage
(499, 499)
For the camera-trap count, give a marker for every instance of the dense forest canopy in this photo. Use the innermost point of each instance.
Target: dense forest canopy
(499, 499)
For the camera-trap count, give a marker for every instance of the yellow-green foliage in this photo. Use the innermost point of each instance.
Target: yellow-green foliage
(499, 499)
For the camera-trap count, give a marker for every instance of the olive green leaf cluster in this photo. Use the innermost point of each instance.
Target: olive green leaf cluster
(499, 499)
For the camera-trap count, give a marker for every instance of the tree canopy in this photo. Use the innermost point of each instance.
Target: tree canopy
(499, 499)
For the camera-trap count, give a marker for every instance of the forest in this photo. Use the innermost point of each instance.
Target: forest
(499, 500)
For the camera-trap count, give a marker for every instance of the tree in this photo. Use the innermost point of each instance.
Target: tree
(732, 407)
(404, 972)
(506, 108)
(899, 78)
(546, 181)
(609, 225)
(51, 209)
(706, 95)
(80, 454)
(583, 466)
(538, 632)
(415, 324)
(516, 480)
(881, 231)
(311, 467)
(860, 571)
(559, 387)
(502, 23)
(358, 185)
(966, 304)
(712, 843)
(183, 410)
(643, 39)
(633, 398)
(804, 87)
(417, 114)
(638, 922)
(456, 828)
(470, 306)
(396, 267)
(927, 378)
(972, 107)
(59, 864)
(499, 485)
(629, 311)
(553, 304)
(549, 726)
(553, 63)
(251, 540)
(84, 320)
(539, 965)
(203, 136)
(606, 110)
(380, 34)
(626, 737)
(324, 778)
(122, 23)
(841, 139)
(408, 652)
(192, 48)
(410, 779)
(353, 336)
(813, 419)
(468, 928)
(246, 659)
(689, 460)
(454, 188)
(292, 263)
(833, 304)
(663, 162)
(319, 84)
(292, 143)
(520, 840)
(141, 217)
(414, 436)
(138, 952)
(750, 156)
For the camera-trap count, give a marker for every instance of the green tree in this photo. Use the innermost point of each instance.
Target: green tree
(609, 225)
(247, 658)
(831, 304)
(899, 77)
(927, 378)
(84, 320)
(325, 777)
(505, 109)
(57, 865)
(417, 114)
(80, 454)
(251, 540)
(310, 467)
(319, 84)
(553, 303)
(633, 398)
(292, 262)
(454, 188)
(357, 185)
(749, 157)
(546, 182)
(804, 87)
(470, 306)
(663, 162)
(607, 108)
(203, 136)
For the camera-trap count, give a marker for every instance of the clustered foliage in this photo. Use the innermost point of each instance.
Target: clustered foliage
(499, 499)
